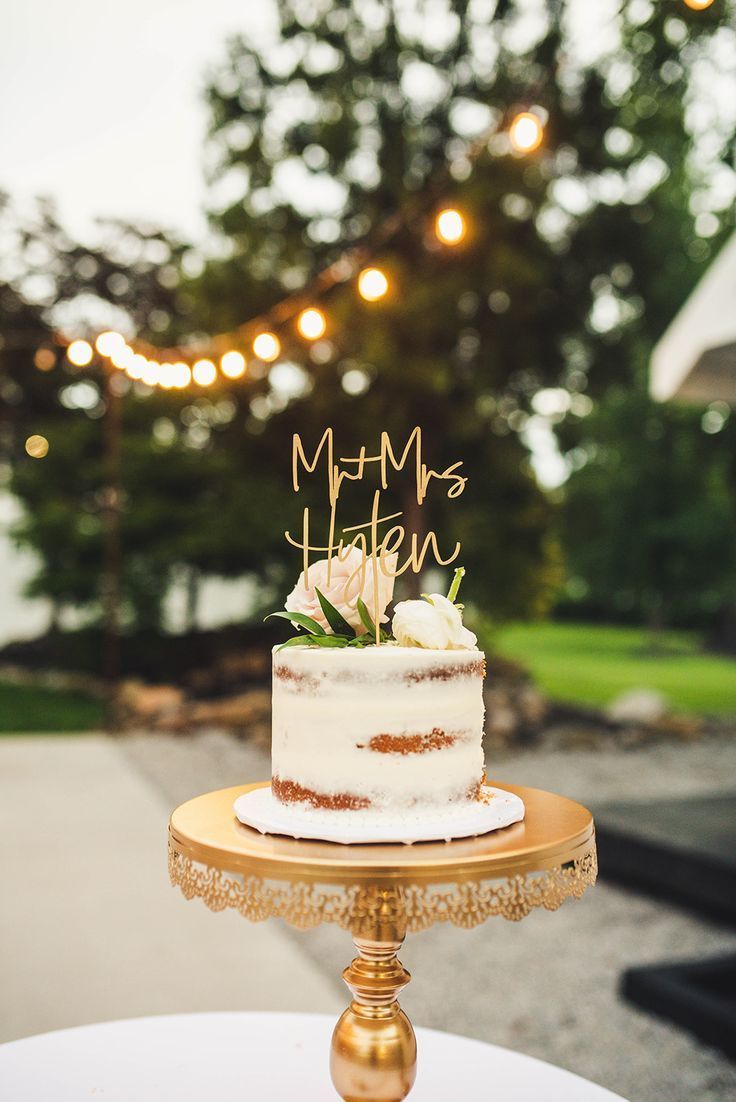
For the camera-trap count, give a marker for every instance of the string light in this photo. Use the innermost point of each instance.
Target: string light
(109, 342)
(166, 376)
(311, 324)
(232, 365)
(526, 132)
(123, 357)
(267, 347)
(181, 375)
(204, 372)
(151, 373)
(372, 284)
(79, 353)
(698, 5)
(449, 226)
(37, 447)
(136, 366)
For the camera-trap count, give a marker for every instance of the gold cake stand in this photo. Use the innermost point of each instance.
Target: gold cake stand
(380, 893)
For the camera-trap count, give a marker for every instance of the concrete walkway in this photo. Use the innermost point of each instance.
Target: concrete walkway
(547, 986)
(90, 928)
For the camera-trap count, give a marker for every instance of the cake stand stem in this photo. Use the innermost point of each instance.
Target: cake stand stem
(374, 1050)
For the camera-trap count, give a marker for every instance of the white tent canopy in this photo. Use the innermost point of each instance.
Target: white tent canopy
(695, 360)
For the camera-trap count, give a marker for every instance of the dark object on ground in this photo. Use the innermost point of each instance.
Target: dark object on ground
(681, 850)
(700, 997)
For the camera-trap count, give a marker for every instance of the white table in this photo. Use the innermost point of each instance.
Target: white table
(193, 1057)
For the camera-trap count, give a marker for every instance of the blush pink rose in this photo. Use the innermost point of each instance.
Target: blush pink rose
(347, 583)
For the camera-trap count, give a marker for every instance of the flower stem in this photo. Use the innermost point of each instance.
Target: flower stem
(459, 575)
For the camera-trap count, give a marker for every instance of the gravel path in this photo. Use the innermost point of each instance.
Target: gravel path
(547, 987)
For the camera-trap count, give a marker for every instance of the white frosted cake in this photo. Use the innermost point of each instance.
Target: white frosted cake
(376, 734)
(388, 728)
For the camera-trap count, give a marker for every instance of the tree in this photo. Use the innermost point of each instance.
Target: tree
(351, 131)
(650, 510)
(651, 514)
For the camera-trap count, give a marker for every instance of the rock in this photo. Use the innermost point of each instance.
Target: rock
(685, 727)
(247, 713)
(515, 710)
(638, 706)
(146, 702)
(533, 705)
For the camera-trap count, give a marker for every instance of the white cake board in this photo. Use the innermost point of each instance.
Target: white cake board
(495, 809)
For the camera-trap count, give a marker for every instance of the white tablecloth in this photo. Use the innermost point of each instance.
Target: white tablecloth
(256, 1058)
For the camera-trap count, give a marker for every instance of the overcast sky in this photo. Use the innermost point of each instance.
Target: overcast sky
(101, 104)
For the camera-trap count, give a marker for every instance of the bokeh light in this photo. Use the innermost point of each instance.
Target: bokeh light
(45, 359)
(181, 375)
(526, 132)
(79, 353)
(167, 375)
(109, 342)
(135, 366)
(232, 365)
(267, 347)
(123, 357)
(698, 5)
(151, 373)
(204, 372)
(450, 227)
(372, 284)
(37, 446)
(312, 324)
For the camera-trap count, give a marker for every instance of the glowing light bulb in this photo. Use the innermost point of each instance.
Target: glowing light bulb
(109, 342)
(123, 357)
(449, 225)
(698, 5)
(167, 376)
(204, 372)
(79, 353)
(372, 284)
(311, 324)
(267, 347)
(37, 446)
(151, 373)
(526, 132)
(135, 366)
(181, 375)
(232, 365)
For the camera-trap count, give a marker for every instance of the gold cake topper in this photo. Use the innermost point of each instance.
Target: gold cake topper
(384, 550)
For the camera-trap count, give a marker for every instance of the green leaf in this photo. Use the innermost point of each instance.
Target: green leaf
(303, 621)
(297, 641)
(365, 616)
(330, 640)
(335, 619)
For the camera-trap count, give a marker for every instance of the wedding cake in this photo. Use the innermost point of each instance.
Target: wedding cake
(384, 728)
(376, 734)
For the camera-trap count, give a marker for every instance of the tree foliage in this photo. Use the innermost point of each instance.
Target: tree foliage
(576, 258)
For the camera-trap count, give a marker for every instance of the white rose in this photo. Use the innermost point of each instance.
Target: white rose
(347, 583)
(435, 624)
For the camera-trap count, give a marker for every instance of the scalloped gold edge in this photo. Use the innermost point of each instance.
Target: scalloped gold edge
(364, 909)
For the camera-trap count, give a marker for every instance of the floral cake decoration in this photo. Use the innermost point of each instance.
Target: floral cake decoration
(343, 604)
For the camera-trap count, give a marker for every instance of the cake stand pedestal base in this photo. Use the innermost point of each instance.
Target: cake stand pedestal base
(379, 893)
(374, 1050)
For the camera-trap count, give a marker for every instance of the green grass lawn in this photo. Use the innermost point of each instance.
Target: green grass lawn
(591, 664)
(24, 708)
